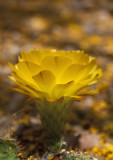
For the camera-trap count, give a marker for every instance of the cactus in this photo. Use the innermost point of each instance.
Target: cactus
(8, 150)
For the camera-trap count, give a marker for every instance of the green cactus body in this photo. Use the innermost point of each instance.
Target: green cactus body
(8, 150)
(53, 117)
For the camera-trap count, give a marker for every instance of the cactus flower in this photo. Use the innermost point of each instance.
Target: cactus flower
(54, 78)
(54, 74)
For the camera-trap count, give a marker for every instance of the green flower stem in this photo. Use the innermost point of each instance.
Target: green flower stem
(53, 117)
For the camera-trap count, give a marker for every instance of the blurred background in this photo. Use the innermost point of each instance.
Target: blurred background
(65, 25)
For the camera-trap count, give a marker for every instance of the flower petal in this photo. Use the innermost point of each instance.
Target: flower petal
(45, 80)
(70, 73)
(29, 90)
(56, 64)
(31, 56)
(33, 68)
(60, 89)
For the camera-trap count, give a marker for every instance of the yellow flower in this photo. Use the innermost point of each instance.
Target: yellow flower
(95, 149)
(110, 156)
(20, 155)
(54, 78)
(52, 74)
(50, 158)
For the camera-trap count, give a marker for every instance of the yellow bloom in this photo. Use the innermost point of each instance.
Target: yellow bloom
(20, 155)
(95, 149)
(54, 74)
(50, 158)
(55, 78)
(110, 156)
